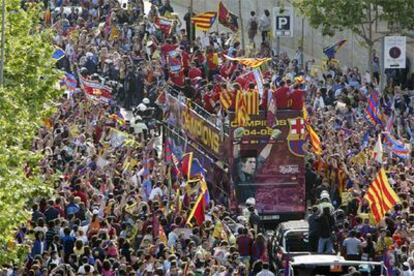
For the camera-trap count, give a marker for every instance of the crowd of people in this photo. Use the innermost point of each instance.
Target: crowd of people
(115, 208)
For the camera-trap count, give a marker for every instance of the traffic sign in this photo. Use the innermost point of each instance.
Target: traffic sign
(283, 21)
(394, 52)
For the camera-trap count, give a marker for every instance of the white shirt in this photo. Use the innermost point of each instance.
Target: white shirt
(265, 272)
(155, 192)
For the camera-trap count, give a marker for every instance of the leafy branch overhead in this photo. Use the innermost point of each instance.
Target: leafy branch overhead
(27, 97)
(359, 16)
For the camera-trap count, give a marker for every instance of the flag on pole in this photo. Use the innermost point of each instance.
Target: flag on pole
(96, 90)
(377, 153)
(58, 54)
(249, 62)
(70, 81)
(372, 110)
(164, 24)
(226, 18)
(314, 140)
(331, 50)
(396, 147)
(204, 21)
(204, 190)
(240, 109)
(381, 197)
(197, 212)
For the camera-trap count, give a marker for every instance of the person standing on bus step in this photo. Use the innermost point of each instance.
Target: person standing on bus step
(314, 229)
(351, 247)
(326, 223)
(244, 245)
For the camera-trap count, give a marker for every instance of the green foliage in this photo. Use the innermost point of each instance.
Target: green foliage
(358, 16)
(26, 98)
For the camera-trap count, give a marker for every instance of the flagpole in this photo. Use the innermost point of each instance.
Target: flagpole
(190, 35)
(169, 187)
(241, 28)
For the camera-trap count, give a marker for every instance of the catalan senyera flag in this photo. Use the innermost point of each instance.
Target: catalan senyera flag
(252, 101)
(314, 140)
(225, 99)
(249, 62)
(381, 196)
(197, 212)
(241, 110)
(204, 21)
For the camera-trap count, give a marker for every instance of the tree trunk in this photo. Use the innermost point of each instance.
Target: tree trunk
(370, 44)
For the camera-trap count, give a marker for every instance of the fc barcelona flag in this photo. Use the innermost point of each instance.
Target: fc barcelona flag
(381, 196)
(226, 18)
(96, 90)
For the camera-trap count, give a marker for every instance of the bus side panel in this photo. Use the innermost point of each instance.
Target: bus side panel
(271, 171)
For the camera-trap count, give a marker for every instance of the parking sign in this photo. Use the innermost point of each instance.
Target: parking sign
(283, 21)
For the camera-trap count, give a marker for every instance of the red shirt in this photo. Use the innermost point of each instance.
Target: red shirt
(296, 99)
(185, 59)
(177, 78)
(167, 48)
(282, 97)
(83, 196)
(194, 72)
(210, 62)
(208, 101)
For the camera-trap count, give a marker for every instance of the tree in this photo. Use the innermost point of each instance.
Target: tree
(26, 98)
(359, 16)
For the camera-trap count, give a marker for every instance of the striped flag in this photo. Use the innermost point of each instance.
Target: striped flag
(252, 101)
(396, 147)
(313, 136)
(204, 21)
(197, 212)
(314, 140)
(240, 109)
(249, 62)
(69, 80)
(381, 196)
(372, 110)
(164, 24)
(225, 99)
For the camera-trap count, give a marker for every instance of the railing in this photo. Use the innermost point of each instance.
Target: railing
(210, 118)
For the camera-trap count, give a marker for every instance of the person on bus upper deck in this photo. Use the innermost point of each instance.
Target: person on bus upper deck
(296, 98)
(282, 96)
